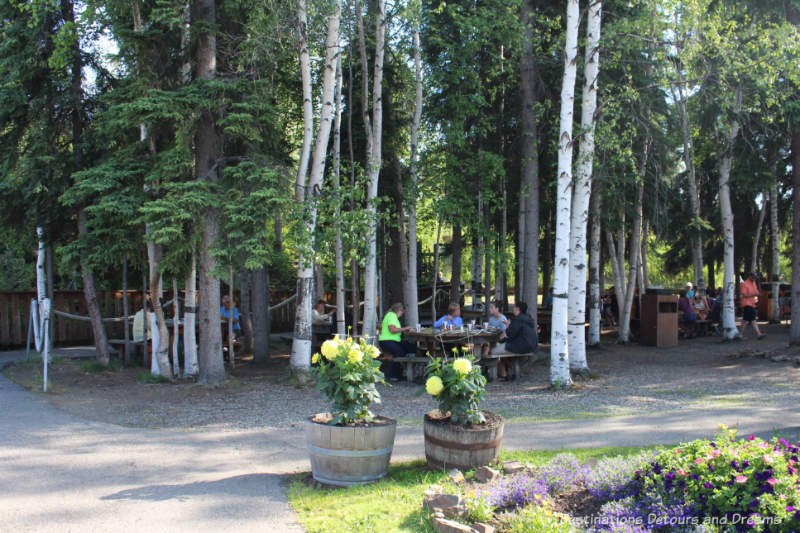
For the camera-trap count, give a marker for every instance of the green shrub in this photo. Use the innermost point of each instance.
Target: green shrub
(459, 386)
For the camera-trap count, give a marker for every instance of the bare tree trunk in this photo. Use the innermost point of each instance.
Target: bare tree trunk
(775, 232)
(374, 130)
(645, 272)
(794, 331)
(581, 194)
(301, 343)
(729, 330)
(530, 80)
(337, 152)
(487, 275)
(176, 313)
(618, 270)
(190, 366)
(501, 293)
(412, 288)
(245, 308)
(559, 349)
(261, 315)
(160, 363)
(635, 250)
(762, 213)
(595, 241)
(435, 269)
(354, 266)
(308, 106)
(208, 148)
(126, 312)
(455, 279)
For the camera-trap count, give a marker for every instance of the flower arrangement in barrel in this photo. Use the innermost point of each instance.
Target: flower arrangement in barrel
(458, 386)
(347, 372)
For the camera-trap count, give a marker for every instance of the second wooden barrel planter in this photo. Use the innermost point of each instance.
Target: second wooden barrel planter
(464, 447)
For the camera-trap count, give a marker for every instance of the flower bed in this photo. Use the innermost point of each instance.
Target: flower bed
(720, 485)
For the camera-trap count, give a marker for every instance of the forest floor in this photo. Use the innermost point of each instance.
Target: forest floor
(699, 374)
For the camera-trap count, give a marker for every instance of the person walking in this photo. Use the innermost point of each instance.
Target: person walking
(748, 291)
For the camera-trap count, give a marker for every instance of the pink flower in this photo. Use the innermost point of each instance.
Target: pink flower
(772, 481)
(698, 461)
(741, 479)
(763, 445)
(681, 472)
(715, 453)
(751, 437)
(768, 458)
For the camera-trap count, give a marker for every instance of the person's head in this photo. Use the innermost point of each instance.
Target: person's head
(494, 308)
(752, 276)
(682, 294)
(520, 308)
(226, 302)
(454, 309)
(398, 308)
(320, 306)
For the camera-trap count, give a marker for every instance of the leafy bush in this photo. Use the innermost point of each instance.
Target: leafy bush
(459, 386)
(562, 472)
(346, 374)
(612, 477)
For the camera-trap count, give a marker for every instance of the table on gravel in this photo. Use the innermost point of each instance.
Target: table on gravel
(434, 340)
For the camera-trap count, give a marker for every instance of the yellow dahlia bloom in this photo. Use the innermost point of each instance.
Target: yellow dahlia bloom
(373, 351)
(434, 385)
(462, 366)
(355, 355)
(315, 358)
(329, 349)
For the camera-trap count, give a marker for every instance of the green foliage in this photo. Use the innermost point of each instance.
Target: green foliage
(346, 374)
(95, 367)
(536, 519)
(459, 386)
(147, 377)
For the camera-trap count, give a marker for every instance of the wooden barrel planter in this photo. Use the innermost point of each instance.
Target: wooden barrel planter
(464, 447)
(350, 455)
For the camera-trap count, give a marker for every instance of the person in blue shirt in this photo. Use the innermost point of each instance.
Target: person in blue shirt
(498, 321)
(452, 318)
(548, 300)
(225, 311)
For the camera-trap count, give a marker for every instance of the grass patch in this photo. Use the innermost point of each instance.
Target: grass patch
(395, 503)
(147, 377)
(96, 366)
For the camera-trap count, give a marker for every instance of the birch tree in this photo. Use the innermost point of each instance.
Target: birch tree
(373, 128)
(338, 247)
(595, 241)
(412, 289)
(308, 187)
(580, 197)
(775, 237)
(559, 350)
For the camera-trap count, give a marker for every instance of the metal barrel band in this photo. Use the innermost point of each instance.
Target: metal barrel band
(349, 453)
(463, 446)
(347, 480)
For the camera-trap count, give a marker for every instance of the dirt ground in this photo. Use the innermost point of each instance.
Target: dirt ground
(699, 373)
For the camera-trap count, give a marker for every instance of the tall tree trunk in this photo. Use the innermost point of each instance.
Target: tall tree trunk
(412, 289)
(487, 274)
(729, 330)
(455, 279)
(354, 265)
(103, 350)
(229, 325)
(694, 198)
(435, 269)
(712, 281)
(301, 343)
(160, 362)
(595, 241)
(338, 247)
(530, 80)
(245, 308)
(775, 233)
(374, 133)
(794, 331)
(635, 250)
(547, 256)
(618, 270)
(261, 314)
(190, 365)
(762, 213)
(501, 264)
(477, 266)
(208, 150)
(126, 312)
(176, 313)
(308, 105)
(581, 194)
(559, 350)
(645, 271)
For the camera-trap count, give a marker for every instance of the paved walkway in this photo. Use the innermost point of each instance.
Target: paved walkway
(61, 473)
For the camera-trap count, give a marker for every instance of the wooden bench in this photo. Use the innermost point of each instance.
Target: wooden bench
(698, 328)
(490, 362)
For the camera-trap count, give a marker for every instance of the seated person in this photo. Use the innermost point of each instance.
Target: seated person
(226, 310)
(606, 310)
(497, 320)
(686, 307)
(701, 306)
(547, 303)
(320, 318)
(452, 319)
(391, 339)
(520, 336)
(689, 290)
(141, 324)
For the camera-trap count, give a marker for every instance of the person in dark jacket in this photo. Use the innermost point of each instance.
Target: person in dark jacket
(520, 336)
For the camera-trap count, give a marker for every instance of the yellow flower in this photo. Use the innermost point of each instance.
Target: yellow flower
(434, 385)
(329, 349)
(372, 351)
(462, 366)
(355, 355)
(315, 358)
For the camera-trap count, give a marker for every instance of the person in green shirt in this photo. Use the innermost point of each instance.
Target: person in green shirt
(391, 339)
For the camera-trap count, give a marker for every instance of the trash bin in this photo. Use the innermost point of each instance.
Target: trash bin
(659, 325)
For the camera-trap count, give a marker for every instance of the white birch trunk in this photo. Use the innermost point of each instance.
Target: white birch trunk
(301, 343)
(41, 275)
(579, 216)
(412, 294)
(338, 248)
(176, 313)
(762, 214)
(729, 330)
(308, 106)
(635, 252)
(594, 271)
(618, 270)
(559, 350)
(190, 367)
(161, 355)
(645, 272)
(374, 136)
(776, 248)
